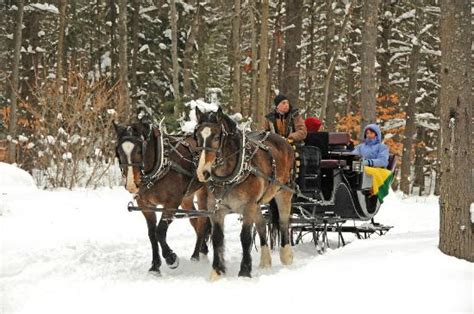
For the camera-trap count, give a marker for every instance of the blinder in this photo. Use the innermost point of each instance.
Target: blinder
(137, 141)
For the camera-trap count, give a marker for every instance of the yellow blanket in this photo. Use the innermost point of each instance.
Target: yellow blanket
(382, 178)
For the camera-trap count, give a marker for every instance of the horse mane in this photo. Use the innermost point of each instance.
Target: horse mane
(229, 124)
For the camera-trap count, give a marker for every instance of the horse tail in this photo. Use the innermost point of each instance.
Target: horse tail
(274, 225)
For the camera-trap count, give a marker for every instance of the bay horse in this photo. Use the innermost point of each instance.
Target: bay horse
(241, 171)
(159, 169)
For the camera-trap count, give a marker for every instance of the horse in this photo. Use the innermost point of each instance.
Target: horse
(241, 171)
(159, 169)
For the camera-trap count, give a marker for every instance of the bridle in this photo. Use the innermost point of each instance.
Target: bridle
(160, 160)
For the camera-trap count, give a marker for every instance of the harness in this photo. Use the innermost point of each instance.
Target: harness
(247, 149)
(163, 163)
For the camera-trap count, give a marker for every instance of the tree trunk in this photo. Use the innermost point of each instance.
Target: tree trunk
(368, 74)
(13, 123)
(310, 71)
(263, 66)
(290, 84)
(60, 53)
(273, 56)
(456, 226)
(188, 53)
(174, 55)
(254, 87)
(384, 56)
(124, 103)
(327, 114)
(410, 106)
(420, 153)
(236, 38)
(113, 40)
(329, 106)
(135, 49)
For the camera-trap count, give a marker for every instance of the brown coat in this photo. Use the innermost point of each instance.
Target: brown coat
(290, 126)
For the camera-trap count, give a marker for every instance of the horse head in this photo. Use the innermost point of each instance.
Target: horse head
(211, 132)
(136, 150)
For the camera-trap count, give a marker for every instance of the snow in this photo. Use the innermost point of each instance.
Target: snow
(13, 179)
(81, 251)
(44, 7)
(187, 126)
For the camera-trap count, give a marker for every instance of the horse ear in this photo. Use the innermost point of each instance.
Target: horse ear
(198, 114)
(220, 115)
(118, 128)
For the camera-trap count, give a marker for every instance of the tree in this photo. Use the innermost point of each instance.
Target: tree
(174, 54)
(369, 47)
(13, 123)
(62, 31)
(410, 106)
(263, 65)
(236, 57)
(456, 235)
(123, 60)
(291, 84)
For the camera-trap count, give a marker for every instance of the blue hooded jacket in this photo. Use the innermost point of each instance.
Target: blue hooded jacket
(374, 152)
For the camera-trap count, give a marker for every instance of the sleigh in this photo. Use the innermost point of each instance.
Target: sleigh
(334, 193)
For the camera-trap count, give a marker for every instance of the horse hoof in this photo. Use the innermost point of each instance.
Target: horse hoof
(245, 273)
(172, 261)
(286, 255)
(214, 275)
(265, 258)
(195, 258)
(155, 270)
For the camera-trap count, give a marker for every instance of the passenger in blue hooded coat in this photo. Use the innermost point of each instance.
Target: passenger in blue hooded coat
(373, 151)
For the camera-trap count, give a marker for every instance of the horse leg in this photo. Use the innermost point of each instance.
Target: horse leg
(170, 257)
(217, 236)
(261, 225)
(204, 223)
(246, 241)
(199, 225)
(283, 199)
(151, 224)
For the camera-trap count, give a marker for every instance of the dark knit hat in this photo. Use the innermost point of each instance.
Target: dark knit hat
(279, 98)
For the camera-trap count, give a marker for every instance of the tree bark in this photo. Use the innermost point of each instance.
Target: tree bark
(326, 114)
(384, 57)
(263, 66)
(274, 56)
(61, 48)
(254, 85)
(368, 74)
(456, 226)
(330, 47)
(420, 153)
(124, 102)
(236, 73)
(290, 84)
(188, 53)
(113, 40)
(174, 55)
(135, 49)
(410, 106)
(13, 123)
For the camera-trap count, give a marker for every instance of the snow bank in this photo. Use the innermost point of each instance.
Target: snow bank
(13, 179)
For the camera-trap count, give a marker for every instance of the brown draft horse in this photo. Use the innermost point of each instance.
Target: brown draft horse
(243, 170)
(159, 169)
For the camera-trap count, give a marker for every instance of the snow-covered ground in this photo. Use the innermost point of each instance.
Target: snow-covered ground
(81, 252)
